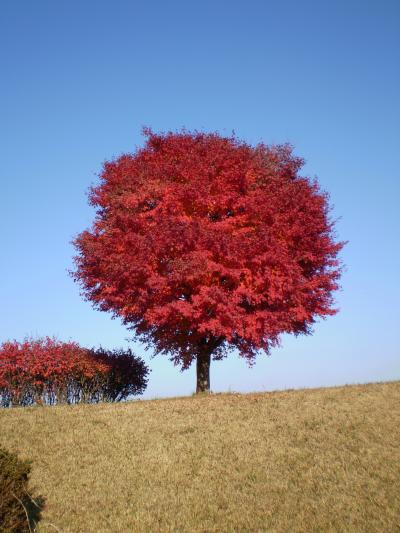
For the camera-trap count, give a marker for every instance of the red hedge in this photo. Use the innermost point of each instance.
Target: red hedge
(48, 371)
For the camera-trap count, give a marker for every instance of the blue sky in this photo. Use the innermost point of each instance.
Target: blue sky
(80, 79)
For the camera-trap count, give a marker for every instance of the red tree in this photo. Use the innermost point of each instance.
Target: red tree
(203, 244)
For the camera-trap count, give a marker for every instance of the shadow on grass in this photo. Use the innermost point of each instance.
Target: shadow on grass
(33, 508)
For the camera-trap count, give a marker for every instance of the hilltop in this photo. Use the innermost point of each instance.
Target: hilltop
(304, 460)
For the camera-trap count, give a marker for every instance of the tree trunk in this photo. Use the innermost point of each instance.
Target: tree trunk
(203, 371)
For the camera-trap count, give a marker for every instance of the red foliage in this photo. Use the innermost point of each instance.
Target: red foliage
(50, 371)
(201, 240)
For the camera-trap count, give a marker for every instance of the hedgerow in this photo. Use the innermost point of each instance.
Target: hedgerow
(48, 371)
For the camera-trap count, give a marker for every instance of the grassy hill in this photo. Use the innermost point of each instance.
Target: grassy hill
(307, 460)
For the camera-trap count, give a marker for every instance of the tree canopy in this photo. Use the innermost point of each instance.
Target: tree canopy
(203, 244)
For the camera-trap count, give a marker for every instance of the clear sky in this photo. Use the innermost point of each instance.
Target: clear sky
(80, 79)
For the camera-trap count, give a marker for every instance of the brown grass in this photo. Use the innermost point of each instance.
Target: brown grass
(297, 461)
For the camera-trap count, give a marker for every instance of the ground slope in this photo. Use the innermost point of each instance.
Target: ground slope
(308, 460)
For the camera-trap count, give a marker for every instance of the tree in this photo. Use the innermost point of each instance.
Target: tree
(203, 244)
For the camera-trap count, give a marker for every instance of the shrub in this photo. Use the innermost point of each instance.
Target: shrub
(48, 371)
(14, 476)
(126, 374)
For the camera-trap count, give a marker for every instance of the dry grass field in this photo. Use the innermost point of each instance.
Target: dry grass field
(297, 461)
